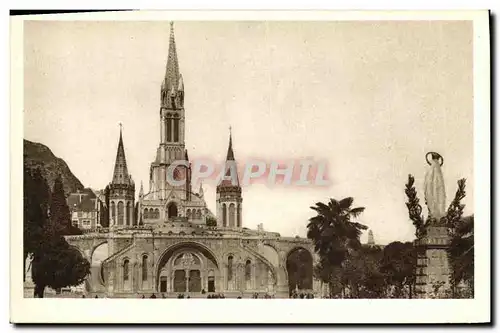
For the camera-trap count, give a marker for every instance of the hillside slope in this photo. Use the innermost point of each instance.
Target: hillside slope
(39, 155)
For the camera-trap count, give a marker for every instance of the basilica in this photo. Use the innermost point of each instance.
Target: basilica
(169, 242)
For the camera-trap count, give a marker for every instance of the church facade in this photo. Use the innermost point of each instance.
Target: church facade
(169, 241)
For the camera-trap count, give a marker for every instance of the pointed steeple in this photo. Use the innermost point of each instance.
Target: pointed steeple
(200, 192)
(230, 153)
(141, 191)
(120, 174)
(172, 76)
(230, 164)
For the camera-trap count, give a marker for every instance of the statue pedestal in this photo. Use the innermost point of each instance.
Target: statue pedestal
(432, 276)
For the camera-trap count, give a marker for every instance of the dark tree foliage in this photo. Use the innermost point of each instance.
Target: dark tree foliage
(103, 215)
(299, 266)
(105, 210)
(361, 273)
(461, 254)
(398, 265)
(60, 216)
(36, 204)
(55, 263)
(334, 234)
(332, 230)
(414, 208)
(211, 222)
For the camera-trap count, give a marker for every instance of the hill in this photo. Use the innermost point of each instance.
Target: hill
(39, 155)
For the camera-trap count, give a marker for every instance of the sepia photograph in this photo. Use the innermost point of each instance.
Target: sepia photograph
(250, 157)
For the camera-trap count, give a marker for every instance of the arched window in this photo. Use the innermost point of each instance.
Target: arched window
(176, 127)
(172, 210)
(230, 268)
(238, 216)
(151, 213)
(128, 213)
(248, 270)
(182, 233)
(198, 214)
(144, 267)
(224, 215)
(113, 212)
(146, 214)
(169, 127)
(157, 213)
(120, 213)
(231, 215)
(125, 270)
(188, 214)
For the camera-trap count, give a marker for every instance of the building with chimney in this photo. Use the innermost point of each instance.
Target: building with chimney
(164, 243)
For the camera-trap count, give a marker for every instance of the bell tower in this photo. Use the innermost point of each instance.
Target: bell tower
(121, 191)
(172, 132)
(228, 193)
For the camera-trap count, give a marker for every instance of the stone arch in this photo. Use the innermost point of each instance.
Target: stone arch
(170, 251)
(248, 269)
(126, 269)
(224, 215)
(299, 269)
(146, 214)
(128, 215)
(113, 212)
(232, 215)
(172, 210)
(238, 215)
(188, 214)
(144, 266)
(120, 213)
(157, 213)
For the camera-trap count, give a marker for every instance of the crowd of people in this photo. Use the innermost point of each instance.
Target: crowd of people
(302, 295)
(294, 294)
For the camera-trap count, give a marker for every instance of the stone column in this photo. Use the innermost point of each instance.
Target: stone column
(433, 269)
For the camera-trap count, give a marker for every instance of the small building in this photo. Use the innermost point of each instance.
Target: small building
(84, 207)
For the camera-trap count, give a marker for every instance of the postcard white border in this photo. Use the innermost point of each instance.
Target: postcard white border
(277, 310)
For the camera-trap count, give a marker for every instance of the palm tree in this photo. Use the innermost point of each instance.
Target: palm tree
(461, 253)
(333, 232)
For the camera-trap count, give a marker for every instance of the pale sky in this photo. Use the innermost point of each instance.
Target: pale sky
(370, 98)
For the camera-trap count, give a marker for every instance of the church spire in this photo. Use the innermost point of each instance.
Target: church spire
(172, 76)
(120, 174)
(230, 165)
(230, 153)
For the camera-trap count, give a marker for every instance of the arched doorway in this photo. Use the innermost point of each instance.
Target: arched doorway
(187, 267)
(299, 265)
(172, 210)
(98, 272)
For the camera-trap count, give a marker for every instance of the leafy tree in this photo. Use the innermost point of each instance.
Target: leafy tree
(360, 274)
(105, 210)
(36, 202)
(334, 233)
(60, 216)
(398, 265)
(461, 254)
(211, 222)
(56, 265)
(299, 266)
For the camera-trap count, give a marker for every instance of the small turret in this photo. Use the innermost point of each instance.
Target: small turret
(371, 239)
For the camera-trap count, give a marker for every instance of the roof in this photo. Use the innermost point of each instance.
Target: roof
(120, 174)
